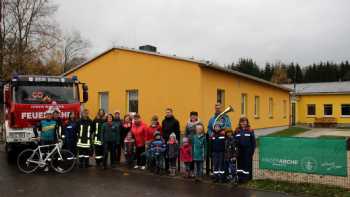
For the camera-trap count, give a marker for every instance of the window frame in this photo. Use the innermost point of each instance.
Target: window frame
(100, 100)
(222, 94)
(128, 100)
(256, 106)
(244, 104)
(341, 110)
(324, 111)
(307, 110)
(270, 107)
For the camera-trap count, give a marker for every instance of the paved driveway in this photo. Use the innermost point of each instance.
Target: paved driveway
(317, 132)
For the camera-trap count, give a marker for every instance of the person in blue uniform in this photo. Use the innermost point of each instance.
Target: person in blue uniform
(218, 152)
(70, 131)
(245, 138)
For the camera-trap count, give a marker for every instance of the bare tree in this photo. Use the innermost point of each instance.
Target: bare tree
(74, 48)
(27, 31)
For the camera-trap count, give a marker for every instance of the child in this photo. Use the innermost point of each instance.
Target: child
(246, 145)
(129, 149)
(231, 154)
(186, 156)
(157, 150)
(155, 126)
(218, 152)
(172, 153)
(199, 149)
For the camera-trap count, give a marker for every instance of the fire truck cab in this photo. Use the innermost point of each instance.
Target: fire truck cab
(25, 99)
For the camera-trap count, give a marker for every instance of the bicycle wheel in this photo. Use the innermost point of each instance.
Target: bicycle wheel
(64, 164)
(26, 161)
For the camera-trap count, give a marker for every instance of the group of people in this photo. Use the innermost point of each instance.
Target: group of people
(156, 146)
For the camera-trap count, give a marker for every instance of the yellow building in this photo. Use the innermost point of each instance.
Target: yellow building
(147, 82)
(318, 100)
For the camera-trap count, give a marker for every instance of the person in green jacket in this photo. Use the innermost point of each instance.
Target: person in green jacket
(110, 137)
(199, 149)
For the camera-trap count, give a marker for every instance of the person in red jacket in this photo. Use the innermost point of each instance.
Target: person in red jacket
(139, 130)
(186, 156)
(155, 126)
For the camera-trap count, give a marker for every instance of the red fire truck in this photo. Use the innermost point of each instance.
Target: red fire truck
(25, 100)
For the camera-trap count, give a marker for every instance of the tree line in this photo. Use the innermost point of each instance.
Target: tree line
(281, 73)
(31, 42)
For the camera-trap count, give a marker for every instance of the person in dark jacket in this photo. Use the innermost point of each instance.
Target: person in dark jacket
(172, 153)
(170, 125)
(84, 144)
(70, 131)
(110, 139)
(245, 138)
(98, 147)
(118, 120)
(218, 153)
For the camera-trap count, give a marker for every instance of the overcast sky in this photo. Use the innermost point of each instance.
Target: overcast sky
(302, 31)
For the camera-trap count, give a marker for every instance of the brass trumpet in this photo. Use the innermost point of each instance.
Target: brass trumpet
(227, 110)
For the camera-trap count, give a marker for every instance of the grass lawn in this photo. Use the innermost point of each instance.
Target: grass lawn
(305, 189)
(292, 131)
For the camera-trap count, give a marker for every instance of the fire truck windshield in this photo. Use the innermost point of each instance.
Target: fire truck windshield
(42, 94)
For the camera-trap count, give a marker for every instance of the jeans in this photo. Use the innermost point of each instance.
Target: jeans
(140, 161)
(198, 165)
(109, 147)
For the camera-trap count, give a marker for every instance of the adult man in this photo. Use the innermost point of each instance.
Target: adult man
(170, 125)
(84, 139)
(119, 122)
(224, 121)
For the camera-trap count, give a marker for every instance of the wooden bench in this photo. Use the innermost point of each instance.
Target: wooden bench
(325, 122)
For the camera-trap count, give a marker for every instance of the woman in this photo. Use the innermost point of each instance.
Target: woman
(246, 145)
(70, 132)
(190, 130)
(126, 127)
(110, 139)
(139, 130)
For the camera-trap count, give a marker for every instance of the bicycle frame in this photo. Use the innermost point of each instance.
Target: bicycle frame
(41, 160)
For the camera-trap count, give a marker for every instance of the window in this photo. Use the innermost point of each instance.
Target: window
(311, 109)
(244, 105)
(345, 109)
(256, 106)
(103, 101)
(220, 96)
(284, 109)
(328, 109)
(132, 101)
(270, 107)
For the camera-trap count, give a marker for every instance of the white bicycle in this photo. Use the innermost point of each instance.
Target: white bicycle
(61, 160)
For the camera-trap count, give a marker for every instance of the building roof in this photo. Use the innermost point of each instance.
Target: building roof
(321, 88)
(203, 63)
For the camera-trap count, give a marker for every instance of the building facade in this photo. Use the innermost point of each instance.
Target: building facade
(148, 82)
(317, 100)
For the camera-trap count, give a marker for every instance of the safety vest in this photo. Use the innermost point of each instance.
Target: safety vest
(84, 140)
(97, 139)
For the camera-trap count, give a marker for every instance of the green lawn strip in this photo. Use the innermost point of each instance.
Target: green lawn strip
(292, 131)
(305, 189)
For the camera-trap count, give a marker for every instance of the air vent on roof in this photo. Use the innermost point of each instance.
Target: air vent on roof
(149, 48)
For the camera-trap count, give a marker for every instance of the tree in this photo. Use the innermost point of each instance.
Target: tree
(74, 49)
(27, 33)
(280, 75)
(247, 66)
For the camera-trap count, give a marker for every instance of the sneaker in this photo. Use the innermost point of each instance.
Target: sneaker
(143, 167)
(136, 167)
(59, 169)
(46, 169)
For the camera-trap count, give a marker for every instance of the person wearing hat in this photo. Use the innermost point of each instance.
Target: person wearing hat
(46, 132)
(218, 152)
(172, 153)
